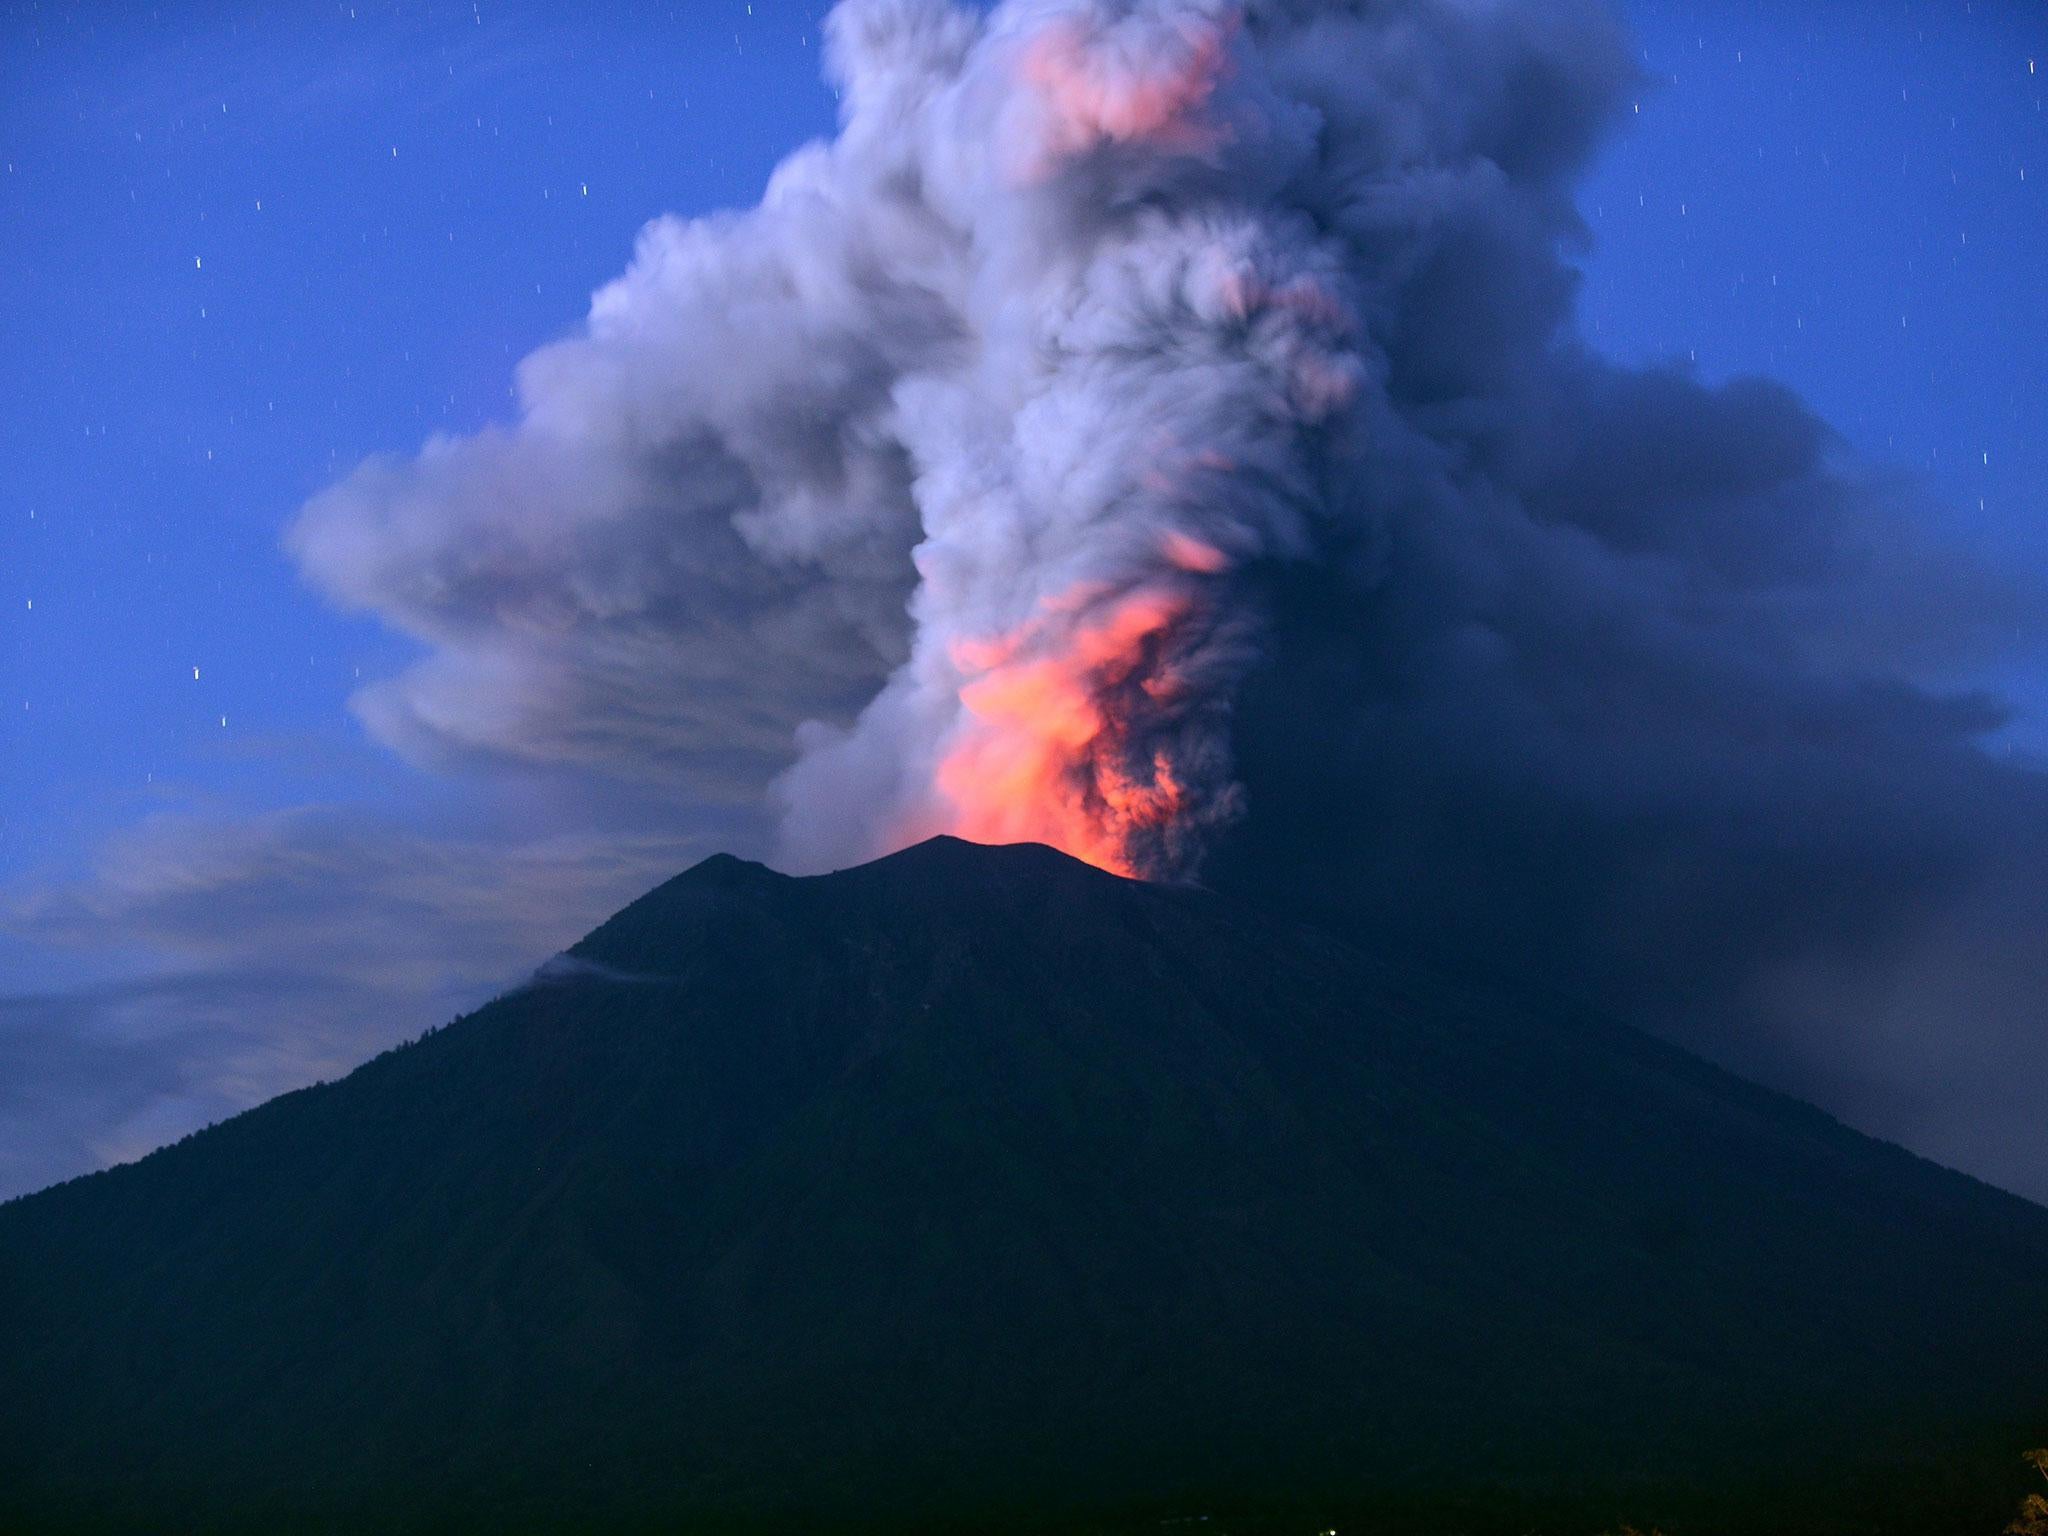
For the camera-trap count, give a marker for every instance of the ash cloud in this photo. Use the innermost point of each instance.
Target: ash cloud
(1158, 428)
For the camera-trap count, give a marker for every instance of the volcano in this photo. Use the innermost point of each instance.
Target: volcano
(977, 1189)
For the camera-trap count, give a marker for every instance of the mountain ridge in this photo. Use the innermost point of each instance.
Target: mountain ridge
(980, 1187)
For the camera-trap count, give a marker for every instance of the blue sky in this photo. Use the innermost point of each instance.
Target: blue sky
(247, 247)
(1848, 198)
(248, 250)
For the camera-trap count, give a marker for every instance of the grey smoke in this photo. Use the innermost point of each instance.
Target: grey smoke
(1595, 679)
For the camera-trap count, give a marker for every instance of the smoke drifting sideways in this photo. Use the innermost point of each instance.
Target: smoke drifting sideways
(1156, 429)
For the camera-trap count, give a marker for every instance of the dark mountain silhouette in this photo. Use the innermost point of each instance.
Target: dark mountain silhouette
(977, 1190)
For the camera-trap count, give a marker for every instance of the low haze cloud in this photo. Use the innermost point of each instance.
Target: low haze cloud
(269, 952)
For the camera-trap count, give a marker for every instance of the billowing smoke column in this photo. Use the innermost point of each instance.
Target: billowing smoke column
(1171, 229)
(1151, 346)
(1153, 427)
(1075, 319)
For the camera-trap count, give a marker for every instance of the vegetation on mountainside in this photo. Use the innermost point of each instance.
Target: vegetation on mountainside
(2032, 1519)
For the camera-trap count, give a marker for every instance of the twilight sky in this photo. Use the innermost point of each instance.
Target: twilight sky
(249, 249)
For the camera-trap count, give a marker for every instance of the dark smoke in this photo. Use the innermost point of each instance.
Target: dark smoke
(1202, 379)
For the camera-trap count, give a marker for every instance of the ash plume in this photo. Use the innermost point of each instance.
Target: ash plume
(1156, 429)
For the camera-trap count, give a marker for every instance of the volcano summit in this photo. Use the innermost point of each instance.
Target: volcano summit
(980, 1189)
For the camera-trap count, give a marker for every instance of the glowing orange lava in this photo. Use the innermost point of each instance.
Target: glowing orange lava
(1049, 749)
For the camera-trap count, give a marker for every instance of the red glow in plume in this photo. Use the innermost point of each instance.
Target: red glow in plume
(1095, 94)
(1050, 750)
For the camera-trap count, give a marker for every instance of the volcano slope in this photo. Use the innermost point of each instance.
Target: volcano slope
(976, 1189)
